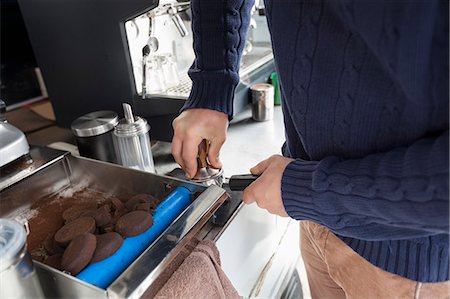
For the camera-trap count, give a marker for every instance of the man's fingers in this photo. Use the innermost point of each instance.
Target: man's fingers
(250, 193)
(176, 150)
(213, 154)
(260, 167)
(189, 155)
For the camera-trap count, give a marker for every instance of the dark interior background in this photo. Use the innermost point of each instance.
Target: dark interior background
(18, 80)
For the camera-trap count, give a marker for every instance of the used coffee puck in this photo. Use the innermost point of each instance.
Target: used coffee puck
(147, 207)
(51, 246)
(107, 245)
(73, 229)
(76, 211)
(101, 215)
(134, 223)
(79, 253)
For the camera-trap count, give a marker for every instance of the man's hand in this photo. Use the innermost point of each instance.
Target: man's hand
(266, 190)
(190, 128)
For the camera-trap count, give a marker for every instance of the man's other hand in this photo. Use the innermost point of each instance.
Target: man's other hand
(266, 190)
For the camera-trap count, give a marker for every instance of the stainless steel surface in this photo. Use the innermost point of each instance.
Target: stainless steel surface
(128, 113)
(94, 123)
(17, 276)
(13, 143)
(37, 160)
(260, 55)
(57, 284)
(153, 44)
(180, 25)
(69, 174)
(209, 176)
(178, 21)
(262, 101)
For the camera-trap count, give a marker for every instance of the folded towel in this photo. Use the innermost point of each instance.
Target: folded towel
(199, 276)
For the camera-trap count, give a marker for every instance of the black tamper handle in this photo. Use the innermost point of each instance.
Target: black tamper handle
(239, 182)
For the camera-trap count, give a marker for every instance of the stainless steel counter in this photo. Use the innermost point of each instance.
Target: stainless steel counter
(265, 245)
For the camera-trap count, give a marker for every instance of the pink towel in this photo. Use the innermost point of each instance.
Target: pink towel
(199, 276)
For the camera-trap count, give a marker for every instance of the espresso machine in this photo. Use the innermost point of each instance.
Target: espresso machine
(13, 143)
(95, 55)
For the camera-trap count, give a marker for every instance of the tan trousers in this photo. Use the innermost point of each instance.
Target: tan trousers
(335, 271)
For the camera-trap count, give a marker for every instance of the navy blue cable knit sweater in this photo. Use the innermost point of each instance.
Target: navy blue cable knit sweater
(365, 103)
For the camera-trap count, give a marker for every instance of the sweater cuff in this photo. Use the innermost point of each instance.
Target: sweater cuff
(296, 190)
(212, 91)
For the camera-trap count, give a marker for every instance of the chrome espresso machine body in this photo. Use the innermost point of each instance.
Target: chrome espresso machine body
(96, 54)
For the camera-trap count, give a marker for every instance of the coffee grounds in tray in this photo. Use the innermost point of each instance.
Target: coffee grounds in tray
(61, 232)
(48, 218)
(54, 261)
(75, 212)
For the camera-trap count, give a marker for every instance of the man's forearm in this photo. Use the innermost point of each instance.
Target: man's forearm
(219, 30)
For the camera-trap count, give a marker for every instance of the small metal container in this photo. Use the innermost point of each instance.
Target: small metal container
(18, 278)
(93, 133)
(262, 101)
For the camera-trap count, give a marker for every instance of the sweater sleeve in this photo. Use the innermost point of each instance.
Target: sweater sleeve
(399, 194)
(219, 31)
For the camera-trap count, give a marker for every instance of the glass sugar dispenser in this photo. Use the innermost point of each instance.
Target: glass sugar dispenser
(132, 142)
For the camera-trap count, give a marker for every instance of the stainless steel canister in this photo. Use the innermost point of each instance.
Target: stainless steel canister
(132, 142)
(262, 101)
(93, 132)
(17, 276)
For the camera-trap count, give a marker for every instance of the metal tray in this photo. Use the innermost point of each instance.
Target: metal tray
(58, 171)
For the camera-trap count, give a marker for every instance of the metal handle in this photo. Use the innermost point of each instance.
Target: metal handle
(128, 113)
(203, 149)
(179, 24)
(239, 182)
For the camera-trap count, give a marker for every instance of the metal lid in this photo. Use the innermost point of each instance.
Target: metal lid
(94, 123)
(126, 129)
(12, 241)
(131, 125)
(261, 87)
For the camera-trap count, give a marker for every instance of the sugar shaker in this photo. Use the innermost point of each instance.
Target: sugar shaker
(132, 142)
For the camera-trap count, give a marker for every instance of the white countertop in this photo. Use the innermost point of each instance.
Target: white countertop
(257, 249)
(249, 142)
